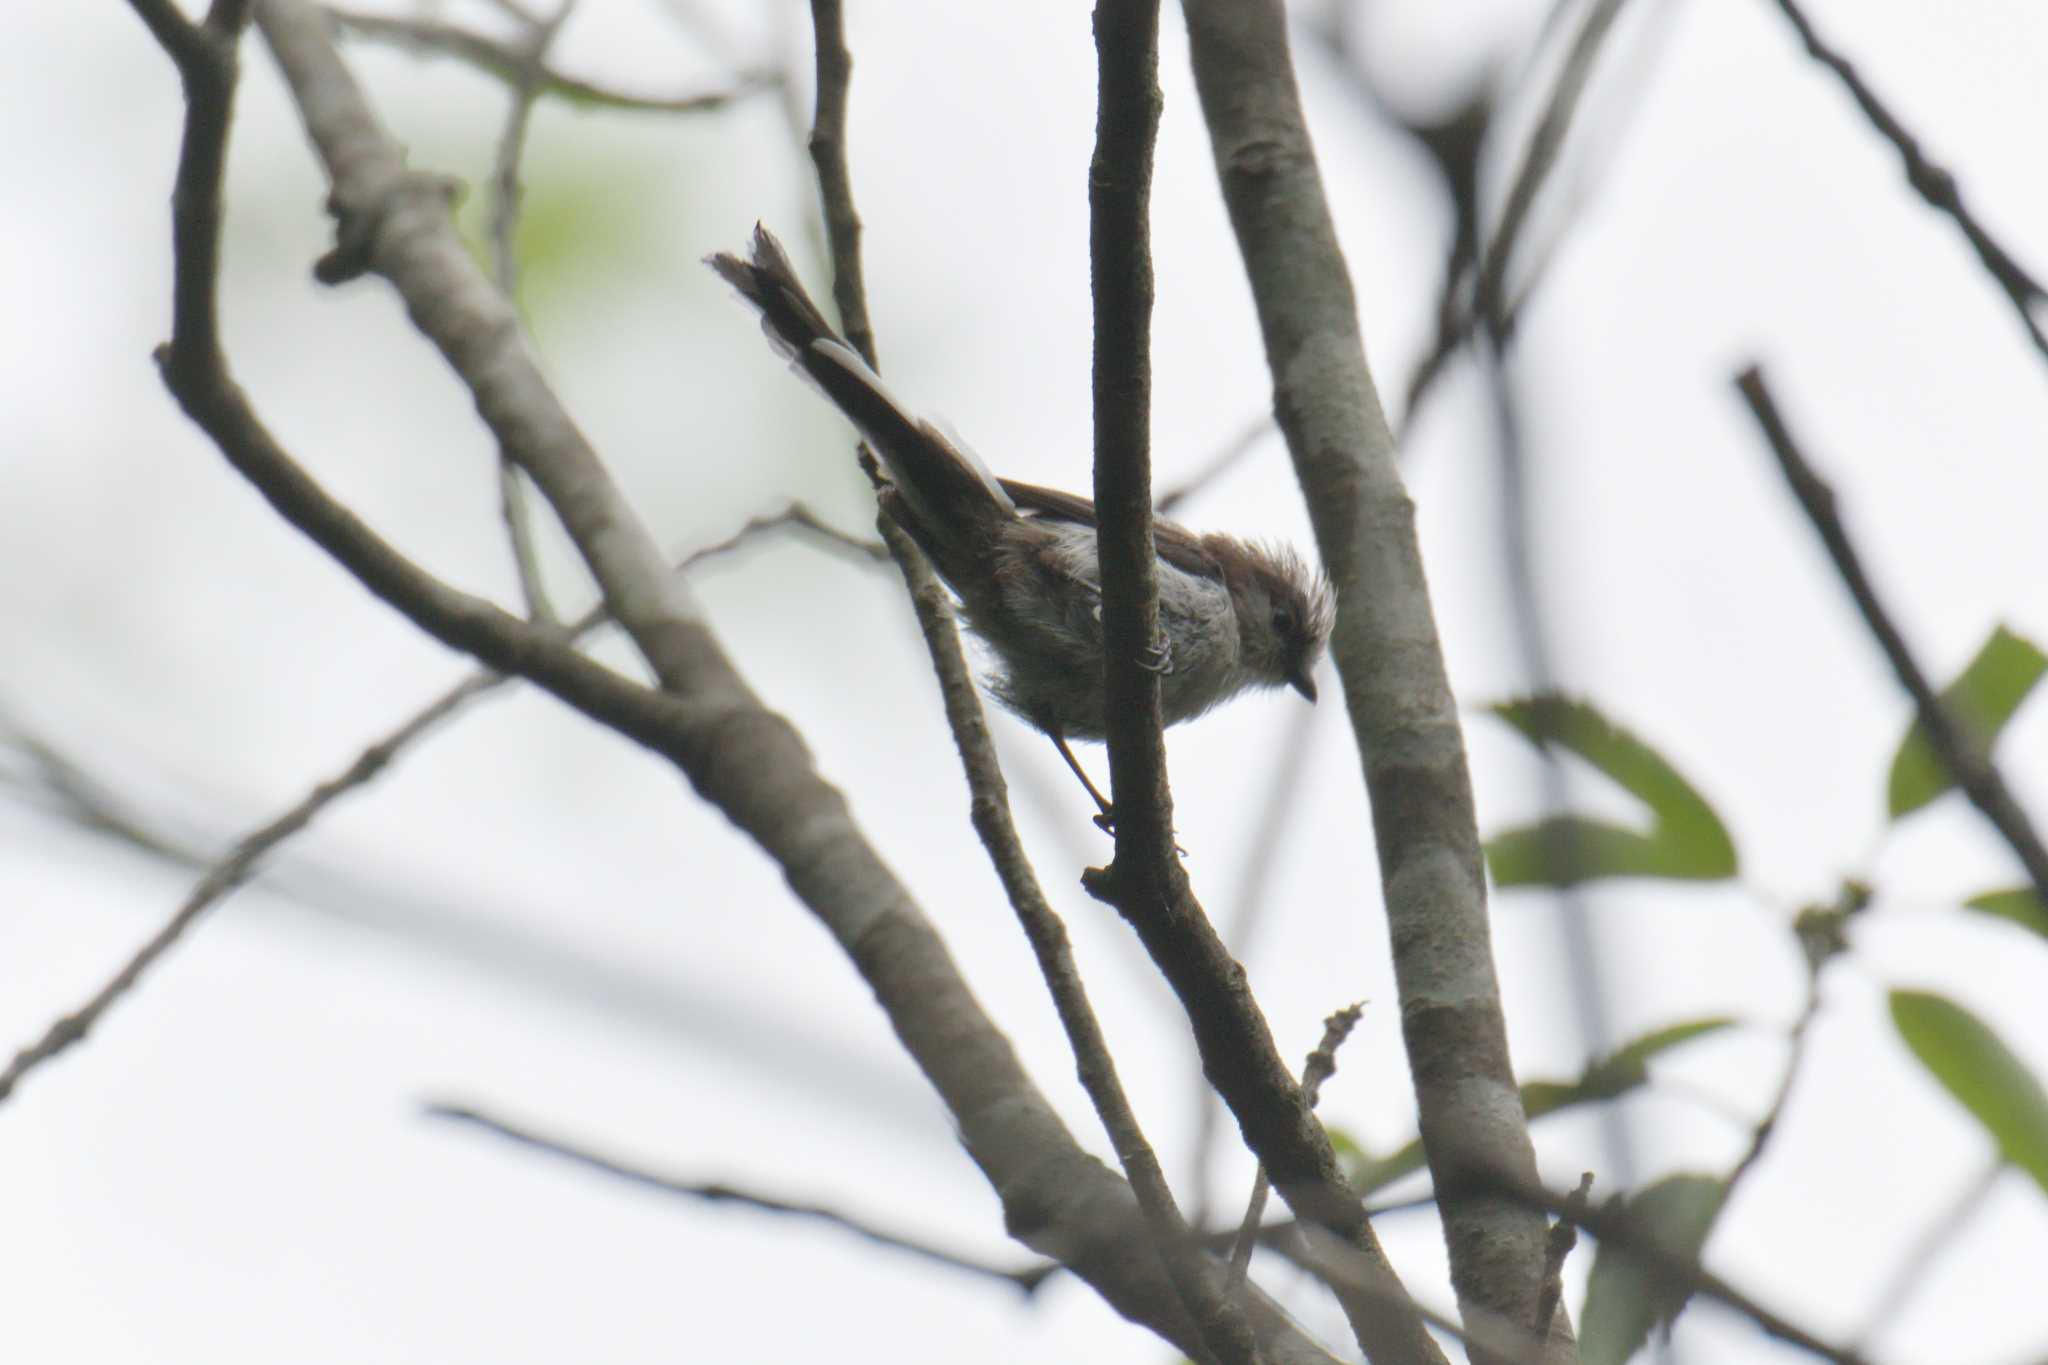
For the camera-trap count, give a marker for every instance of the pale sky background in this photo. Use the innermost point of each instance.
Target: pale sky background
(535, 917)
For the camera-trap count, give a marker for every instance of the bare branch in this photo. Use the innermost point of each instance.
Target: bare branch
(1025, 1280)
(1321, 1065)
(1147, 880)
(1932, 182)
(508, 64)
(745, 760)
(230, 873)
(92, 809)
(1388, 655)
(835, 181)
(1961, 753)
(1219, 1329)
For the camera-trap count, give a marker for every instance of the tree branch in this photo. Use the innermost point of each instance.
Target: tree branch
(1933, 183)
(1221, 1332)
(1961, 753)
(224, 875)
(745, 760)
(512, 66)
(1386, 649)
(1026, 1280)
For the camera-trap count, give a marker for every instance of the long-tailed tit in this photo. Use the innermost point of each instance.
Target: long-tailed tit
(1233, 615)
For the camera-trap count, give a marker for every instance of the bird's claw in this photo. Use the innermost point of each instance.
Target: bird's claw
(1158, 656)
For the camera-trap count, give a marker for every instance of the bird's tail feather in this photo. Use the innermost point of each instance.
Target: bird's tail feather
(947, 488)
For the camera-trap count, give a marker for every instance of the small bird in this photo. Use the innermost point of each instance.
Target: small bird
(1233, 614)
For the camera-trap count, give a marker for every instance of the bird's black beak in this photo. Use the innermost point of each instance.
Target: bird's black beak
(1302, 682)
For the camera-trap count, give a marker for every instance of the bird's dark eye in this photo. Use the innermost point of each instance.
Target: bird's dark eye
(1283, 620)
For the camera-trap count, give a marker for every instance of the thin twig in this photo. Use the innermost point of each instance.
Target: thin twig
(1221, 1332)
(1120, 276)
(1819, 946)
(1321, 1065)
(505, 62)
(230, 873)
(835, 180)
(1933, 183)
(1026, 1280)
(1147, 866)
(1564, 1235)
(744, 760)
(1965, 757)
(241, 861)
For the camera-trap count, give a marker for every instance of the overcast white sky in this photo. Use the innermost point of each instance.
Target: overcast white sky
(533, 916)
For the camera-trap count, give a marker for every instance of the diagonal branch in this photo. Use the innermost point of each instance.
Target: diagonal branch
(1934, 183)
(1961, 753)
(1026, 1280)
(745, 760)
(224, 875)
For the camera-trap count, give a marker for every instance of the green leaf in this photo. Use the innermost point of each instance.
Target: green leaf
(1982, 700)
(1626, 1297)
(2019, 904)
(1686, 839)
(1983, 1075)
(1604, 1078)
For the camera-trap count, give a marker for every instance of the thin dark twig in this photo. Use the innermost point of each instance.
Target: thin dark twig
(230, 872)
(1852, 899)
(835, 180)
(1027, 1279)
(76, 796)
(747, 761)
(1120, 276)
(1564, 1235)
(1321, 1065)
(506, 63)
(1208, 1310)
(1934, 183)
(1965, 757)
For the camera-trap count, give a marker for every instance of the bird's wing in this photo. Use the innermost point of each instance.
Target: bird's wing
(1178, 546)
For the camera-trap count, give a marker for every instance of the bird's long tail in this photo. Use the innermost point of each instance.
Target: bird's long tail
(952, 496)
